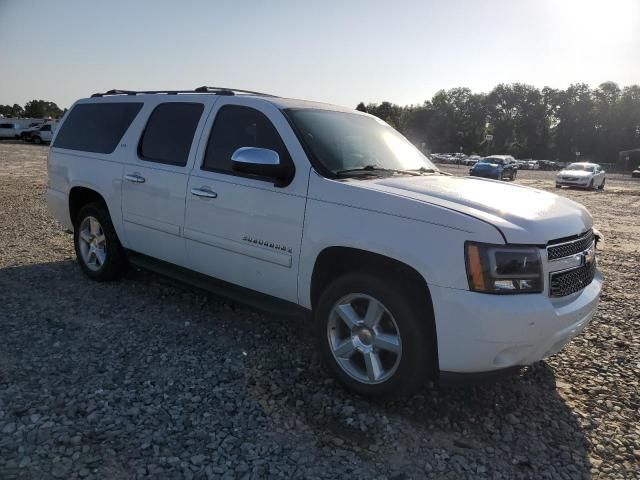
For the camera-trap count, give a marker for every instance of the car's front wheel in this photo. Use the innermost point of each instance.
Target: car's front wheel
(98, 249)
(37, 140)
(601, 187)
(374, 337)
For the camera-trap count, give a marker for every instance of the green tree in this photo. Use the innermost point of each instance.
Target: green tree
(525, 121)
(41, 109)
(12, 111)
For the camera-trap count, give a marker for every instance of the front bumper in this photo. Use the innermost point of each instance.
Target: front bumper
(482, 332)
(494, 174)
(572, 183)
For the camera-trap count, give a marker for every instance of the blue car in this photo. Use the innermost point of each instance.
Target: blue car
(499, 167)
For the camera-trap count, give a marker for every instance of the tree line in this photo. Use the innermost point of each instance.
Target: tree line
(523, 121)
(32, 109)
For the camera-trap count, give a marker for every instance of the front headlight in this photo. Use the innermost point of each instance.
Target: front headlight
(503, 269)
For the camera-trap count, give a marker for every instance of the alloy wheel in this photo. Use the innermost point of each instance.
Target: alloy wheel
(93, 243)
(364, 338)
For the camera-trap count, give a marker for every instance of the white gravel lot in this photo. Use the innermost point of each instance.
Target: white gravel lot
(147, 378)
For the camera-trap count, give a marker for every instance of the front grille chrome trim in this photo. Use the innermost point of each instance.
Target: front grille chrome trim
(557, 251)
(566, 282)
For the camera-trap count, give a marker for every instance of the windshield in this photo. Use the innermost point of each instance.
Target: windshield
(348, 141)
(576, 166)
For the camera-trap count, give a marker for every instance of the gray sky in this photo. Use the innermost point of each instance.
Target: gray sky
(335, 51)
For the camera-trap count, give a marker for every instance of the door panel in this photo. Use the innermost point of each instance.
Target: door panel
(153, 211)
(154, 189)
(249, 234)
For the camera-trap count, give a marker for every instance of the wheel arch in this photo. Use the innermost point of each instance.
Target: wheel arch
(334, 261)
(79, 196)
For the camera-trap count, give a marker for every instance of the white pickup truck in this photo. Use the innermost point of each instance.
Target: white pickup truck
(296, 206)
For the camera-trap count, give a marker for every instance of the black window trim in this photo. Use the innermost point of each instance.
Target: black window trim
(144, 130)
(233, 173)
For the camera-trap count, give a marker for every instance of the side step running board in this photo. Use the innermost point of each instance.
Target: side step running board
(245, 296)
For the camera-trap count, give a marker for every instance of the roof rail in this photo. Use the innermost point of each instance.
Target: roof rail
(211, 90)
(231, 91)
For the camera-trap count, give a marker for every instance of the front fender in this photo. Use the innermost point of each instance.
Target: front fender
(435, 251)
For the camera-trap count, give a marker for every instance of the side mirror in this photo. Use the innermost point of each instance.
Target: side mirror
(262, 162)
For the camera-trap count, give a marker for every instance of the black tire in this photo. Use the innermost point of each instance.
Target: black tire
(501, 176)
(558, 186)
(416, 328)
(37, 140)
(514, 174)
(115, 263)
(601, 186)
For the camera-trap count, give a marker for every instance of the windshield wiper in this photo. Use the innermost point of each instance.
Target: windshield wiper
(422, 170)
(373, 169)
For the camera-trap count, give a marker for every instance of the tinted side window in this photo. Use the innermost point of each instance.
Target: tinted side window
(6, 125)
(96, 127)
(46, 128)
(237, 127)
(169, 133)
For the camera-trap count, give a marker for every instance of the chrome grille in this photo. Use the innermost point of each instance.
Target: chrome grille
(566, 249)
(571, 281)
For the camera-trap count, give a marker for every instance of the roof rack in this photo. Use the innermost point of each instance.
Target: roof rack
(211, 90)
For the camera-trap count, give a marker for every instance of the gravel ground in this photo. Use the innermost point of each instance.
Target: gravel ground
(144, 377)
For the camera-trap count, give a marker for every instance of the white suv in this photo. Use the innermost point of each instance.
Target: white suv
(9, 130)
(297, 206)
(43, 134)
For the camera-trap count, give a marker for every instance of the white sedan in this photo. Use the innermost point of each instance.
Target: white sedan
(583, 174)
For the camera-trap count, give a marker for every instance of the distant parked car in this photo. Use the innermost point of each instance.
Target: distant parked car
(547, 165)
(44, 134)
(25, 133)
(9, 130)
(635, 173)
(582, 174)
(499, 167)
(472, 160)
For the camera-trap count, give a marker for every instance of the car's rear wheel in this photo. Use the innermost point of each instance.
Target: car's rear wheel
(373, 337)
(37, 140)
(98, 249)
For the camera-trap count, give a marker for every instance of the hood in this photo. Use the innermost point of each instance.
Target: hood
(575, 173)
(523, 215)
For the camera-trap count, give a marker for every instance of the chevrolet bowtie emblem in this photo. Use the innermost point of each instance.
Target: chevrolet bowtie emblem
(589, 255)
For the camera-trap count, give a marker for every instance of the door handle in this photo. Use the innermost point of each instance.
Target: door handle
(203, 192)
(135, 178)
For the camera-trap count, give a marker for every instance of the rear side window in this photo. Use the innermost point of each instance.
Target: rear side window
(46, 128)
(96, 127)
(169, 133)
(237, 127)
